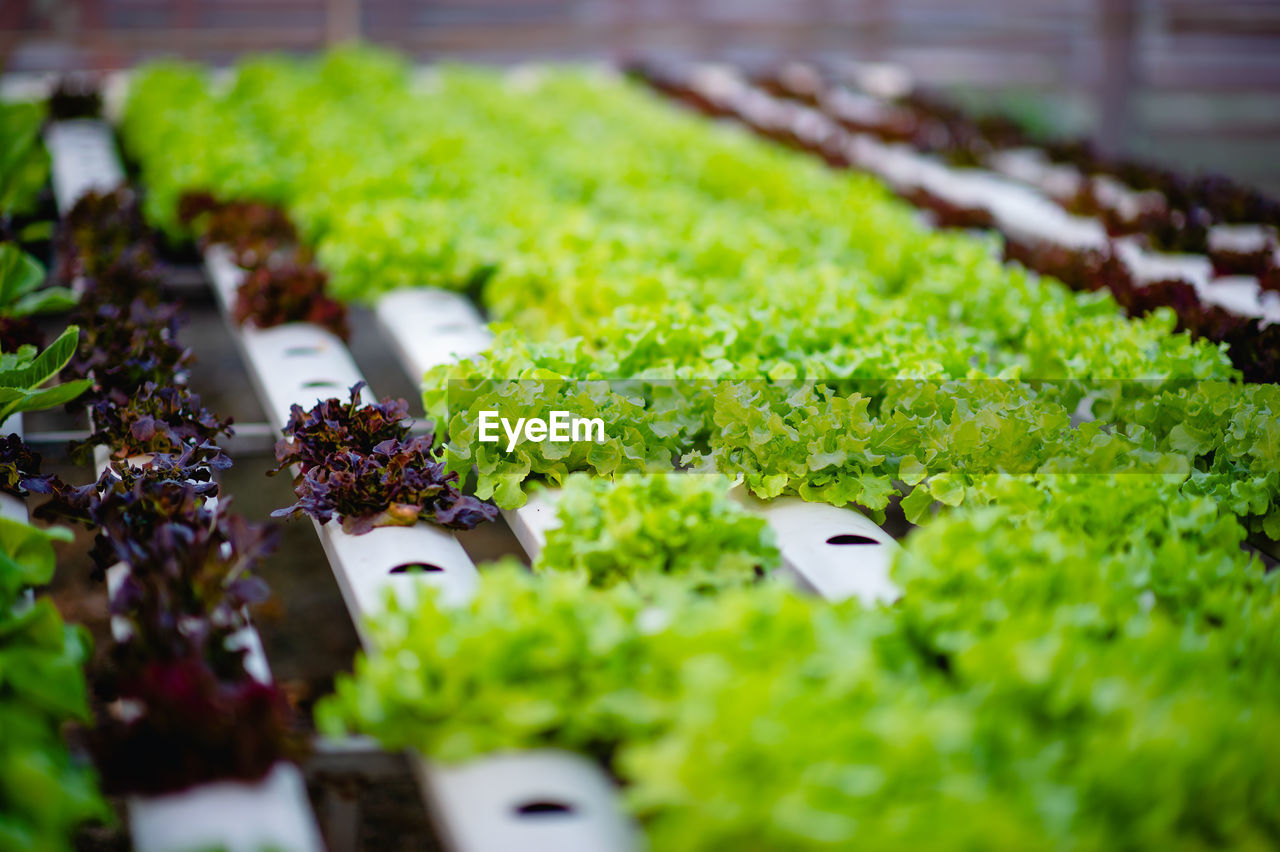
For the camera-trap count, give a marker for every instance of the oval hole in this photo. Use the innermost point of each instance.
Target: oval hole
(299, 351)
(320, 383)
(415, 568)
(451, 327)
(543, 807)
(850, 538)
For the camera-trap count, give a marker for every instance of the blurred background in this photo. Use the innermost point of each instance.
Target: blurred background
(1193, 83)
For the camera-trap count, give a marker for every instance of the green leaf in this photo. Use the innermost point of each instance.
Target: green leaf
(1271, 525)
(641, 526)
(911, 471)
(20, 380)
(36, 232)
(20, 273)
(26, 555)
(49, 362)
(1185, 438)
(916, 505)
(57, 395)
(947, 488)
(46, 365)
(50, 678)
(46, 300)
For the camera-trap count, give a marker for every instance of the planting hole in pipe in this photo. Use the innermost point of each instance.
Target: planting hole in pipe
(320, 383)
(300, 351)
(415, 568)
(542, 807)
(850, 538)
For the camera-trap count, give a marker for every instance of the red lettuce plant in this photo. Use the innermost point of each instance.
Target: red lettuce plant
(185, 709)
(101, 229)
(283, 285)
(253, 230)
(354, 462)
(397, 483)
(192, 470)
(184, 726)
(332, 425)
(20, 469)
(124, 347)
(156, 419)
(274, 294)
(130, 275)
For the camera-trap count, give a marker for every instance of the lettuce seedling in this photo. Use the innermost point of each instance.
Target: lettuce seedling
(356, 462)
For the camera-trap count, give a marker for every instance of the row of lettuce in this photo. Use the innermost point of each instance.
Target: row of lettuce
(1166, 213)
(184, 706)
(46, 790)
(1174, 211)
(174, 703)
(1083, 655)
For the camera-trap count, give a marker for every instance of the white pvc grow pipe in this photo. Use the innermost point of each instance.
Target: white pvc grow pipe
(237, 816)
(83, 159)
(13, 507)
(836, 553)
(533, 801)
